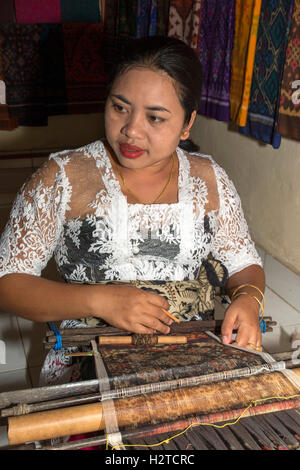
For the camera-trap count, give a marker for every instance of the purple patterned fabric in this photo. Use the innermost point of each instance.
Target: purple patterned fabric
(215, 49)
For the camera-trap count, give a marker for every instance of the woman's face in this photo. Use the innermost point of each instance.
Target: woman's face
(144, 119)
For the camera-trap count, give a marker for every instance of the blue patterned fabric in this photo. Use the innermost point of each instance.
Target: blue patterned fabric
(273, 30)
(146, 18)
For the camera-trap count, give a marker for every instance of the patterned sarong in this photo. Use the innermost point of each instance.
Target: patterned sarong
(289, 111)
(273, 30)
(188, 300)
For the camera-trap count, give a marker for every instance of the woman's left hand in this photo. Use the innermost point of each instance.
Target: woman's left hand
(242, 315)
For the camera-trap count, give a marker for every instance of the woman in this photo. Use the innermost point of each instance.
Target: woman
(133, 208)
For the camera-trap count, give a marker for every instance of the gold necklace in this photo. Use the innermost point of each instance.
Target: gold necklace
(160, 194)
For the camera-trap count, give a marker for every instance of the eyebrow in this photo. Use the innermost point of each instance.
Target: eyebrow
(150, 108)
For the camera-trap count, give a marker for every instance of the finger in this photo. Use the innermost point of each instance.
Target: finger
(154, 323)
(143, 330)
(248, 338)
(158, 300)
(227, 328)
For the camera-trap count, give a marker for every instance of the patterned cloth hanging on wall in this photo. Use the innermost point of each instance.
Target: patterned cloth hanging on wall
(273, 30)
(289, 111)
(215, 50)
(21, 63)
(38, 11)
(57, 11)
(57, 56)
(184, 21)
(7, 15)
(146, 17)
(85, 74)
(246, 25)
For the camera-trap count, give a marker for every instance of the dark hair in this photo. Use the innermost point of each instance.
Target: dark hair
(174, 57)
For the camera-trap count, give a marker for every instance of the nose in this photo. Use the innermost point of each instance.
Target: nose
(134, 128)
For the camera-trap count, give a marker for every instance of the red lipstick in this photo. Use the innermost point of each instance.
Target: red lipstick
(131, 151)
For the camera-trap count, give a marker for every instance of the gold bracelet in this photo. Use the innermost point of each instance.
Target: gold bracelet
(249, 285)
(253, 297)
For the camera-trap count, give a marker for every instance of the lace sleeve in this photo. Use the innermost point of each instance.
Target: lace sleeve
(35, 222)
(232, 245)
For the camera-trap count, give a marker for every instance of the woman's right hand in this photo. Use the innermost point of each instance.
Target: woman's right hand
(131, 309)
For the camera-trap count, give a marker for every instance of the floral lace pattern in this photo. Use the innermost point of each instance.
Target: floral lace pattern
(114, 240)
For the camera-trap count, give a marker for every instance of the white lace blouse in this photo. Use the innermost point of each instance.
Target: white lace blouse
(73, 207)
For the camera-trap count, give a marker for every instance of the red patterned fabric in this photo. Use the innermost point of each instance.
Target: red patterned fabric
(289, 111)
(85, 73)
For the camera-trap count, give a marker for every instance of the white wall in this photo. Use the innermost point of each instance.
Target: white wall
(267, 180)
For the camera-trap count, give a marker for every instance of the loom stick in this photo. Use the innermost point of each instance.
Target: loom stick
(24, 408)
(148, 408)
(182, 327)
(62, 392)
(134, 339)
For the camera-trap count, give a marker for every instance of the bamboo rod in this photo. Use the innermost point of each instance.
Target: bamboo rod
(158, 407)
(158, 339)
(142, 389)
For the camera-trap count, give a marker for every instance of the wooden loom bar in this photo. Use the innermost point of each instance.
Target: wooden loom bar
(133, 339)
(158, 407)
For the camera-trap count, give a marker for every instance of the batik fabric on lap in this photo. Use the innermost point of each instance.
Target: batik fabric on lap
(188, 300)
(289, 111)
(273, 30)
(246, 26)
(215, 50)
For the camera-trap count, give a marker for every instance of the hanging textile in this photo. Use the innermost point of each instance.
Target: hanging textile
(246, 26)
(162, 17)
(272, 37)
(53, 67)
(6, 122)
(80, 11)
(146, 16)
(38, 11)
(112, 39)
(86, 78)
(22, 70)
(215, 49)
(184, 21)
(127, 23)
(7, 12)
(289, 111)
